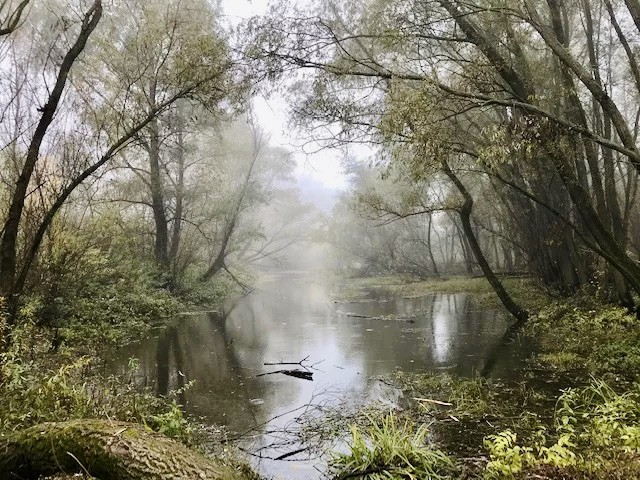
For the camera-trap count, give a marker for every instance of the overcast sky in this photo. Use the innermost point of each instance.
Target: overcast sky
(324, 166)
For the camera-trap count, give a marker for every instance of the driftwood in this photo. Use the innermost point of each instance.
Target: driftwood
(436, 402)
(305, 375)
(107, 450)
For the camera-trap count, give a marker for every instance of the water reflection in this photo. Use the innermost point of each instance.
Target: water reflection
(288, 320)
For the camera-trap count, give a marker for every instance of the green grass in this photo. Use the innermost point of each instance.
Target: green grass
(595, 435)
(391, 449)
(523, 290)
(600, 340)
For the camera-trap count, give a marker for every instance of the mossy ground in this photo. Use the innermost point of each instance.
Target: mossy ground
(356, 289)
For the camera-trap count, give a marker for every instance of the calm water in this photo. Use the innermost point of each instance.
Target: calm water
(291, 318)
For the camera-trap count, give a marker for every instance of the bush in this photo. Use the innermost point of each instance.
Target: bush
(596, 435)
(95, 296)
(601, 339)
(32, 393)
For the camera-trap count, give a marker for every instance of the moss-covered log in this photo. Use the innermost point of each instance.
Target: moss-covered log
(107, 450)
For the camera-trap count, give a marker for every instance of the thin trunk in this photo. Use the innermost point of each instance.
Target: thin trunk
(507, 252)
(633, 63)
(8, 244)
(219, 262)
(464, 248)
(496, 253)
(11, 22)
(179, 212)
(434, 265)
(161, 246)
(634, 10)
(520, 314)
(619, 231)
(599, 93)
(601, 234)
(117, 146)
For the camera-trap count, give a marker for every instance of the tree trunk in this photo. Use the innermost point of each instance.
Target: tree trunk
(161, 249)
(8, 245)
(614, 253)
(176, 233)
(219, 262)
(12, 18)
(434, 265)
(514, 309)
(107, 450)
(634, 10)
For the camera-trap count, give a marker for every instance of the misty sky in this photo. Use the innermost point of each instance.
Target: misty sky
(323, 167)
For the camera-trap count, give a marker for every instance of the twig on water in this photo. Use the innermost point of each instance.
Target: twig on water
(305, 374)
(301, 362)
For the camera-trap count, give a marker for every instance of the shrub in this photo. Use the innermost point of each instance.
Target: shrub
(596, 435)
(32, 392)
(599, 339)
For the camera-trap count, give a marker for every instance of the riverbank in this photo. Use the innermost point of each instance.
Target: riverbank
(53, 371)
(453, 427)
(574, 414)
(523, 289)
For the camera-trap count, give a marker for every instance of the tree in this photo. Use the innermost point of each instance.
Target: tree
(94, 117)
(257, 166)
(11, 15)
(8, 243)
(450, 79)
(178, 45)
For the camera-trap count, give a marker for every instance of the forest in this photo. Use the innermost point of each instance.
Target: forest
(181, 298)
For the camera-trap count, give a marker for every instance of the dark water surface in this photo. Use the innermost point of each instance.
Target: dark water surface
(291, 318)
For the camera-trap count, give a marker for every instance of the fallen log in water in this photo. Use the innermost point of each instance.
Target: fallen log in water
(305, 375)
(107, 450)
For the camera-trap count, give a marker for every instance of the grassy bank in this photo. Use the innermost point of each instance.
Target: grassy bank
(52, 371)
(587, 427)
(358, 289)
(455, 428)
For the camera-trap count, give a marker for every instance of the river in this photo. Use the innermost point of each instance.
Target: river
(291, 318)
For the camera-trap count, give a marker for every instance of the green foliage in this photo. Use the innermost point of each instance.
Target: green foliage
(94, 292)
(460, 396)
(391, 450)
(210, 293)
(596, 432)
(171, 422)
(508, 459)
(32, 392)
(582, 334)
(443, 396)
(37, 386)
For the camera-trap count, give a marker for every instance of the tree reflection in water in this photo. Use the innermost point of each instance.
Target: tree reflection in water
(289, 320)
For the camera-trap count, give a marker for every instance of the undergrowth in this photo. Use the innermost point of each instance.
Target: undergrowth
(595, 434)
(36, 387)
(600, 340)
